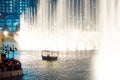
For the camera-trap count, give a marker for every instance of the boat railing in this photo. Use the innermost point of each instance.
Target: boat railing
(50, 53)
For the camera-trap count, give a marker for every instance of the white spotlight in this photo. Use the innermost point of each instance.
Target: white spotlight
(5, 33)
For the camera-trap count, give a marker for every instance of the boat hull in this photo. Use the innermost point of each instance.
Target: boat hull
(50, 58)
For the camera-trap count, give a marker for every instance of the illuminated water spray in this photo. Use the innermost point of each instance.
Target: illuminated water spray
(106, 62)
(61, 25)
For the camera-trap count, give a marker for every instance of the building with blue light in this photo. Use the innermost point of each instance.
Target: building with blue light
(10, 11)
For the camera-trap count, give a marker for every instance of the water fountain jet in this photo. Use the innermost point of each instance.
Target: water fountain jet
(106, 62)
(55, 27)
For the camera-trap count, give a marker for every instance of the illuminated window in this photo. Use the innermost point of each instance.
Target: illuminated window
(11, 8)
(11, 11)
(20, 10)
(10, 4)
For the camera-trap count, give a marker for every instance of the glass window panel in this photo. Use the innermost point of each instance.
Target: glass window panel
(20, 10)
(10, 28)
(6, 2)
(10, 4)
(20, 4)
(7, 7)
(11, 11)
(11, 8)
(9, 20)
(7, 11)
(3, 10)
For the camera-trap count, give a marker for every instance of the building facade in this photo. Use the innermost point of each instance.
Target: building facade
(10, 11)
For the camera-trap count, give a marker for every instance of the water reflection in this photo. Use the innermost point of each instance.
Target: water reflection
(69, 66)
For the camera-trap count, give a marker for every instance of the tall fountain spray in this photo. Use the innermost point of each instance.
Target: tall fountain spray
(58, 25)
(106, 62)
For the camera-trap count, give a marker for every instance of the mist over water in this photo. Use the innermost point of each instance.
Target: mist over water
(59, 25)
(107, 60)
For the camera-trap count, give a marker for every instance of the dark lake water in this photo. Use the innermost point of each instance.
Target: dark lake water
(69, 66)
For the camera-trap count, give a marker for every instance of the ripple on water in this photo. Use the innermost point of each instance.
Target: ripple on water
(65, 68)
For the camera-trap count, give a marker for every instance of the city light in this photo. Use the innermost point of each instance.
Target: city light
(5, 33)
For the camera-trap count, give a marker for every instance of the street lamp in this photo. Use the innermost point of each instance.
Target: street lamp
(5, 33)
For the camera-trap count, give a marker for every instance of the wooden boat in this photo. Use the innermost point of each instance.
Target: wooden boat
(49, 55)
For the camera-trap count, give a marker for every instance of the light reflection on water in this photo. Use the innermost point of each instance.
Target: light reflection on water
(69, 66)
